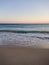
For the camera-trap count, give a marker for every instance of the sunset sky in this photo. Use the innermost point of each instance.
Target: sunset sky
(24, 11)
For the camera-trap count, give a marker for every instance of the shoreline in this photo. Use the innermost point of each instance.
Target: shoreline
(23, 56)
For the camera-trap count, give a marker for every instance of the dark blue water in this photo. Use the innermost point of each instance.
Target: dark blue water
(24, 34)
(25, 28)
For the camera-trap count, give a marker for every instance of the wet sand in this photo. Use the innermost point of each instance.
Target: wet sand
(23, 56)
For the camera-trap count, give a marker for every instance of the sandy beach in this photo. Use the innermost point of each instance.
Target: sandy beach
(23, 56)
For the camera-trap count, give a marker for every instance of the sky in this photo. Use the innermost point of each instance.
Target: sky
(24, 11)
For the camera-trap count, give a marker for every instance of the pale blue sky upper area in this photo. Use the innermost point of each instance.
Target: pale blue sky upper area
(24, 9)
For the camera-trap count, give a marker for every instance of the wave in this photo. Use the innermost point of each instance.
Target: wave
(8, 38)
(43, 38)
(23, 31)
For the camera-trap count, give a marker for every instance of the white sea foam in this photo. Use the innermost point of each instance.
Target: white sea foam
(28, 39)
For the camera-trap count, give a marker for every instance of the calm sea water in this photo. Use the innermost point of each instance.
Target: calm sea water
(24, 34)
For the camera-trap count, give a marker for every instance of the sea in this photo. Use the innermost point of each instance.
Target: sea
(25, 35)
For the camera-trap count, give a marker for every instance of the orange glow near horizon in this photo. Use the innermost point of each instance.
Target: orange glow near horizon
(24, 21)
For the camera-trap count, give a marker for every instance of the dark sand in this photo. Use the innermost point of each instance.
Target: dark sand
(23, 56)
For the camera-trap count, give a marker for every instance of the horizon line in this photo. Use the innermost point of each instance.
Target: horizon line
(23, 23)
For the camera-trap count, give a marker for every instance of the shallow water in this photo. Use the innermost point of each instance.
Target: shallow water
(24, 35)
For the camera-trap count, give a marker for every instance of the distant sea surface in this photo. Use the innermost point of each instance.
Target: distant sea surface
(24, 34)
